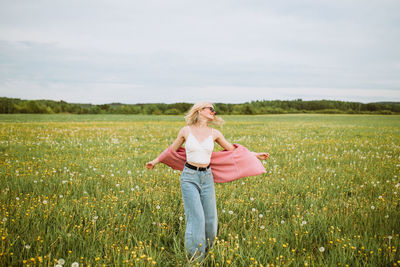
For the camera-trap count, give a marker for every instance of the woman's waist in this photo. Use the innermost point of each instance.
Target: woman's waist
(199, 164)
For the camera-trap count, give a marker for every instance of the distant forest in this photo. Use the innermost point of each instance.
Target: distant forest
(15, 105)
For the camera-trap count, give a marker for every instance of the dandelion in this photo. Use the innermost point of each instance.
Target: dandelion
(129, 172)
(253, 210)
(321, 249)
(75, 264)
(390, 237)
(158, 207)
(95, 218)
(303, 223)
(397, 185)
(61, 261)
(230, 212)
(117, 185)
(27, 246)
(372, 207)
(45, 202)
(262, 227)
(17, 198)
(60, 196)
(260, 216)
(282, 222)
(180, 218)
(252, 199)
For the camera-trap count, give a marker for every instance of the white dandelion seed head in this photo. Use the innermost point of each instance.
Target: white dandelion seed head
(252, 199)
(61, 261)
(158, 207)
(262, 227)
(27, 246)
(282, 222)
(303, 223)
(230, 212)
(390, 237)
(117, 185)
(372, 207)
(17, 198)
(45, 202)
(260, 216)
(253, 210)
(321, 249)
(75, 264)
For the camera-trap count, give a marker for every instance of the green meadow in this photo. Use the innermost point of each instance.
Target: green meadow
(74, 192)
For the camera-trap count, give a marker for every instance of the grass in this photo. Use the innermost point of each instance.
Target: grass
(74, 187)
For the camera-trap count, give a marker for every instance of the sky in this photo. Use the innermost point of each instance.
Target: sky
(131, 51)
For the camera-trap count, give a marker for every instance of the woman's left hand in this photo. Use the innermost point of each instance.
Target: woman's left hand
(262, 155)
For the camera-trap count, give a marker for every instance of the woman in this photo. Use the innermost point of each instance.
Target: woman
(197, 184)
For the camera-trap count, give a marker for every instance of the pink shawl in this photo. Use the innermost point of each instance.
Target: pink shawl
(226, 165)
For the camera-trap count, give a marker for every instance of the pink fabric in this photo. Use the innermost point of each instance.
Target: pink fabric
(226, 165)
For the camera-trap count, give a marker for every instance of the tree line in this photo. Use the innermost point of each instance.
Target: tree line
(15, 105)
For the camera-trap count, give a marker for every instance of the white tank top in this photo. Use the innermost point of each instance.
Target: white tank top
(197, 152)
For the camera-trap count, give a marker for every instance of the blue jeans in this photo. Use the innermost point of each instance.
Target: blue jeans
(198, 195)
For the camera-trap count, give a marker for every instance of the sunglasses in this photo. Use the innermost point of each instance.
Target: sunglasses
(211, 109)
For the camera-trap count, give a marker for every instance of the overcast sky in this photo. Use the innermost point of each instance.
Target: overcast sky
(171, 51)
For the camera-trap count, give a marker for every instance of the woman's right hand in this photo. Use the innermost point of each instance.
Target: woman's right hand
(150, 165)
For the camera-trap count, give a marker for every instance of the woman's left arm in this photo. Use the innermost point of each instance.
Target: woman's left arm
(220, 139)
(228, 146)
(261, 155)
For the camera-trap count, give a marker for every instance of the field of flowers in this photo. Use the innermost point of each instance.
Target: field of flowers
(75, 192)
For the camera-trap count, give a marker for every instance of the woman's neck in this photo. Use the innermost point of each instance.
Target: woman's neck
(201, 123)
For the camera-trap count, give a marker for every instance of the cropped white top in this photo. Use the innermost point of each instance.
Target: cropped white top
(197, 152)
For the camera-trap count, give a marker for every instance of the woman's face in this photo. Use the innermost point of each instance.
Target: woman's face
(208, 112)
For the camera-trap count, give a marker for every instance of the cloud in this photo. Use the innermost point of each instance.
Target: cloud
(158, 46)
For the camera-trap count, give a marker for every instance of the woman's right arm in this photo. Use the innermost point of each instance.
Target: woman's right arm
(175, 146)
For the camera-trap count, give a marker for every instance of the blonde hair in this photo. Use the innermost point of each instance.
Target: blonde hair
(193, 116)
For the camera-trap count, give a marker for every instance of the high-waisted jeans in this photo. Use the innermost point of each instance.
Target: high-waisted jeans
(198, 195)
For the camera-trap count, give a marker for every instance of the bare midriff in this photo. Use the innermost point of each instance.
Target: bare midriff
(198, 165)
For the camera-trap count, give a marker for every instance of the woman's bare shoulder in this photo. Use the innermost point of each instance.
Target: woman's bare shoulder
(216, 131)
(184, 130)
